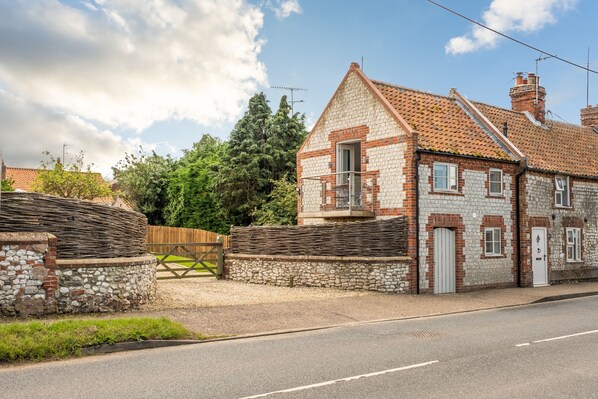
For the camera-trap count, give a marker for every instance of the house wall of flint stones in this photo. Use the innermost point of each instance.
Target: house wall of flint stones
(468, 212)
(539, 210)
(356, 115)
(33, 282)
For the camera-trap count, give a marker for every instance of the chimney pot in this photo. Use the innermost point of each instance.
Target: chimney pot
(523, 96)
(589, 116)
(519, 79)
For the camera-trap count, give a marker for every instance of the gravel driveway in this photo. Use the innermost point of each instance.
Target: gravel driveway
(208, 292)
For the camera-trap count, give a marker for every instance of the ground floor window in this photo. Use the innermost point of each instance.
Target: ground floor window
(493, 242)
(573, 244)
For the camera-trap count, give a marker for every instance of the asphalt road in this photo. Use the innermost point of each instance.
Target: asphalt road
(545, 351)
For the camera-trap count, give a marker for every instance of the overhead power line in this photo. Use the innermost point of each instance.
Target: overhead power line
(512, 38)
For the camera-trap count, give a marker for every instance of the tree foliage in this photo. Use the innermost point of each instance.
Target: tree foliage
(281, 207)
(286, 133)
(192, 202)
(249, 179)
(70, 181)
(144, 180)
(244, 176)
(7, 185)
(261, 151)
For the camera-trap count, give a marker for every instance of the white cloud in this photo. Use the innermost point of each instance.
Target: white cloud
(508, 16)
(130, 63)
(284, 8)
(28, 129)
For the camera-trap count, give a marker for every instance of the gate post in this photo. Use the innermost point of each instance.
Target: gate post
(220, 265)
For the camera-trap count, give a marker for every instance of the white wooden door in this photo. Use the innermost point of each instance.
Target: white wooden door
(444, 261)
(539, 263)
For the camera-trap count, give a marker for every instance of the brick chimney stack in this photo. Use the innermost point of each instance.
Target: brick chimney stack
(528, 95)
(589, 116)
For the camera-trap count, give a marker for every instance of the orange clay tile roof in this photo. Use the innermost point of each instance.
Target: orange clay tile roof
(558, 147)
(441, 123)
(23, 177)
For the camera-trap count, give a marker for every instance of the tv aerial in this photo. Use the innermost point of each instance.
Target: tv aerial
(292, 90)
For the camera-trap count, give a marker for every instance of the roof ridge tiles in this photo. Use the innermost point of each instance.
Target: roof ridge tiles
(395, 86)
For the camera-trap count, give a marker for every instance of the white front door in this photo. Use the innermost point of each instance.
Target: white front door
(539, 263)
(444, 261)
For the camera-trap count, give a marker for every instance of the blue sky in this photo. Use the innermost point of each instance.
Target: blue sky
(107, 76)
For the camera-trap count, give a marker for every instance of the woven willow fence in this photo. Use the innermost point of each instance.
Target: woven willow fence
(84, 229)
(384, 238)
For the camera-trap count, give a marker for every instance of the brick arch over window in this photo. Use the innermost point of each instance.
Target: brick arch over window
(453, 222)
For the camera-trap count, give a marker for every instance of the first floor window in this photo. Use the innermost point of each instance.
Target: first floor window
(493, 242)
(495, 181)
(561, 192)
(573, 245)
(445, 177)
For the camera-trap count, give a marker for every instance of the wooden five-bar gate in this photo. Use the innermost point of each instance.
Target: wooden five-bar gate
(186, 253)
(189, 260)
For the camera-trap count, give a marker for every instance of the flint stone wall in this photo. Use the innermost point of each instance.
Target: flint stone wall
(390, 274)
(33, 282)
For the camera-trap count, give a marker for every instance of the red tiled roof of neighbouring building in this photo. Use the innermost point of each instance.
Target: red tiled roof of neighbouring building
(23, 178)
(554, 146)
(441, 123)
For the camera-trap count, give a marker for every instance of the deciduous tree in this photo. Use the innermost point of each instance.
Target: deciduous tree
(143, 179)
(192, 202)
(70, 181)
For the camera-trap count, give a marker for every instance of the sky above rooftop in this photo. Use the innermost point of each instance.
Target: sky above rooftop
(107, 76)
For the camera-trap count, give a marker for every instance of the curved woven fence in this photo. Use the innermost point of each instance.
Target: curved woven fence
(380, 238)
(84, 229)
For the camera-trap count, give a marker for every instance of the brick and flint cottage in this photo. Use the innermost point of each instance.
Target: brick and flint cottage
(493, 197)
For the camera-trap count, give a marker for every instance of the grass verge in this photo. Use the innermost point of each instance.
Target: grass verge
(35, 341)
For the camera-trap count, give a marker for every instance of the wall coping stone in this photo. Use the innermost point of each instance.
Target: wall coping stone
(366, 259)
(102, 262)
(25, 238)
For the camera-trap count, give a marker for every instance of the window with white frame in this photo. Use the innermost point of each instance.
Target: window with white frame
(493, 246)
(445, 177)
(495, 182)
(561, 193)
(573, 244)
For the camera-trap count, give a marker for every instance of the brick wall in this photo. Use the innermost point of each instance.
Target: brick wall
(538, 210)
(468, 211)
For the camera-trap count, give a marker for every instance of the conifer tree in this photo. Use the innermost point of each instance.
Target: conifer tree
(244, 176)
(286, 133)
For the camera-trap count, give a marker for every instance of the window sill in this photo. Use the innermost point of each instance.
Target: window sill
(493, 256)
(453, 193)
(562, 207)
(574, 261)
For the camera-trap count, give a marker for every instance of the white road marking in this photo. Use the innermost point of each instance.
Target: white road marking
(561, 337)
(355, 377)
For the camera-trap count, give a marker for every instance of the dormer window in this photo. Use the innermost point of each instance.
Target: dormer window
(561, 193)
(445, 177)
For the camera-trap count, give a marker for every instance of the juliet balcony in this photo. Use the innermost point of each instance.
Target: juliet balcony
(338, 195)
